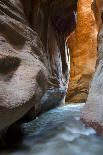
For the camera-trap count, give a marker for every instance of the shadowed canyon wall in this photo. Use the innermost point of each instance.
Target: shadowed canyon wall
(83, 52)
(33, 60)
(92, 113)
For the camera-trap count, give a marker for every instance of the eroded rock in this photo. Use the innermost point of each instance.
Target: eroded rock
(92, 113)
(33, 59)
(83, 52)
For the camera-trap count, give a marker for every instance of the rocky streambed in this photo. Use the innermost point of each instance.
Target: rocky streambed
(57, 132)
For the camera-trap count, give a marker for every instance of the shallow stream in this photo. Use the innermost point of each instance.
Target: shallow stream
(58, 132)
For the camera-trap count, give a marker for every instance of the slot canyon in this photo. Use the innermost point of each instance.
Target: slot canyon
(51, 74)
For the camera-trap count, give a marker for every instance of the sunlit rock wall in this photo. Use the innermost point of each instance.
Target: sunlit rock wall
(83, 52)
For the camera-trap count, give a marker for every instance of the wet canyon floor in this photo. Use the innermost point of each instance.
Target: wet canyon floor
(57, 132)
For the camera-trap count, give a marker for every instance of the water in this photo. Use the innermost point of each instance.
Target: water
(58, 132)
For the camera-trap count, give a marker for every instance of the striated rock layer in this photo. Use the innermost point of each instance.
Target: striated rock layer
(92, 113)
(33, 59)
(83, 52)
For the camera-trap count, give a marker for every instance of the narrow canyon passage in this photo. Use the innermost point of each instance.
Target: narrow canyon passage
(51, 58)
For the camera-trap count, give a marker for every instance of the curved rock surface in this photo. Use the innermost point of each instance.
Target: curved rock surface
(83, 52)
(92, 113)
(33, 59)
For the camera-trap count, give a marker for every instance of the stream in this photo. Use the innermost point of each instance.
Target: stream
(58, 132)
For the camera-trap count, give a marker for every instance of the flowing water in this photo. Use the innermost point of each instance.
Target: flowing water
(58, 132)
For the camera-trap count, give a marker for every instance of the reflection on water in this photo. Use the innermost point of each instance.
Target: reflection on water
(58, 132)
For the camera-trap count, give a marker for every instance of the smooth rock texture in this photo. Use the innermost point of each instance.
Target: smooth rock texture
(33, 59)
(83, 52)
(92, 112)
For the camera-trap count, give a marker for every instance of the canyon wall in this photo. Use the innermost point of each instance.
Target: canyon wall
(92, 113)
(33, 60)
(83, 52)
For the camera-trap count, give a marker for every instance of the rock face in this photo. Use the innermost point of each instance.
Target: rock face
(83, 52)
(33, 59)
(92, 113)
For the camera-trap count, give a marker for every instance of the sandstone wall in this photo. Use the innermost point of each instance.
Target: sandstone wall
(92, 113)
(33, 60)
(83, 52)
